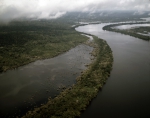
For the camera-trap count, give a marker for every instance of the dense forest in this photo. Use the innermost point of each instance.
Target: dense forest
(104, 16)
(27, 41)
(143, 30)
(22, 42)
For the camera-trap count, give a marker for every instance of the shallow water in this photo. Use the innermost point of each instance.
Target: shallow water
(126, 93)
(32, 84)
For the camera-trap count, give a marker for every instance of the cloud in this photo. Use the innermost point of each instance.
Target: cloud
(12, 9)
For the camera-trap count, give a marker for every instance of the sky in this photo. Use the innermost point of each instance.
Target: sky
(13, 9)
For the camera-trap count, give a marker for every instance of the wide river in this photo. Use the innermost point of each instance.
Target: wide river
(126, 93)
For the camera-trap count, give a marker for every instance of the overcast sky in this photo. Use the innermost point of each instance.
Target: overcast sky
(11, 9)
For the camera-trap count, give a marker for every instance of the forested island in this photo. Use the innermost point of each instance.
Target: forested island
(28, 41)
(135, 32)
(75, 99)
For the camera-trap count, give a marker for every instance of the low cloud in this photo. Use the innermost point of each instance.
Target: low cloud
(13, 9)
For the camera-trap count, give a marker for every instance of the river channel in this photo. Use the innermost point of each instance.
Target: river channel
(29, 86)
(126, 93)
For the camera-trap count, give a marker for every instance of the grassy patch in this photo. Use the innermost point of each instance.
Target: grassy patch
(73, 100)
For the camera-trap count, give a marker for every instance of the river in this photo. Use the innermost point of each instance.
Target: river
(31, 85)
(126, 93)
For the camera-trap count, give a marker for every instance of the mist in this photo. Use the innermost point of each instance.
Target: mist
(49, 9)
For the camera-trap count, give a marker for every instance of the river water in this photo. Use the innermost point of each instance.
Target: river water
(126, 93)
(31, 85)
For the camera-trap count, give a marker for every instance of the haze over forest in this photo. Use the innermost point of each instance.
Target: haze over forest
(49, 9)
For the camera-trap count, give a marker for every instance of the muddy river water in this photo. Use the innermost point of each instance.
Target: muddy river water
(126, 93)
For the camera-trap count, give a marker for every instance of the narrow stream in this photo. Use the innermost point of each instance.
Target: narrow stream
(126, 93)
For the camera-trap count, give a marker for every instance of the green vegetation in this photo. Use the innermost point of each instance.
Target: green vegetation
(26, 41)
(143, 30)
(75, 99)
(132, 32)
(104, 16)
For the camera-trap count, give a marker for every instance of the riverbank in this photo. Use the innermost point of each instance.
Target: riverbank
(131, 32)
(75, 99)
(25, 42)
(121, 95)
(31, 85)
